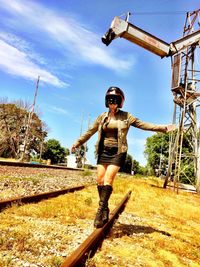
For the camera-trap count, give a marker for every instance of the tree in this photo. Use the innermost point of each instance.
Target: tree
(135, 166)
(127, 167)
(54, 151)
(156, 151)
(13, 130)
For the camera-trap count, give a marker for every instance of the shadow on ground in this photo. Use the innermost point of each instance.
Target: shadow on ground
(129, 229)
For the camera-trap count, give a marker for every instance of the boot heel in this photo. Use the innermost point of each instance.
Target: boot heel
(98, 222)
(105, 215)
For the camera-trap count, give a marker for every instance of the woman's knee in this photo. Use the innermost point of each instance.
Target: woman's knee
(101, 170)
(110, 174)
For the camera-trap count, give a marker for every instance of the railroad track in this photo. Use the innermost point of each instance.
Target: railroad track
(34, 165)
(38, 197)
(88, 248)
(90, 245)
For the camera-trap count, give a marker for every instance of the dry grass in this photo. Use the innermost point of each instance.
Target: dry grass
(158, 228)
(46, 232)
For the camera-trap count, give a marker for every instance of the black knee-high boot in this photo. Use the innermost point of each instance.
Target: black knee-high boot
(105, 213)
(98, 218)
(103, 210)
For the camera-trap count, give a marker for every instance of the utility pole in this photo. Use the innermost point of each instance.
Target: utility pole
(78, 154)
(28, 126)
(41, 147)
(85, 145)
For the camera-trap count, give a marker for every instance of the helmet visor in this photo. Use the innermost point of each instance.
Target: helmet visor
(113, 99)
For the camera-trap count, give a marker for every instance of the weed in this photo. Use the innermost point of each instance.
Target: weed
(87, 173)
(88, 201)
(55, 261)
(5, 261)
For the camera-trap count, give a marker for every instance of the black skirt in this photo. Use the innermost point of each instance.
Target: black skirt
(109, 155)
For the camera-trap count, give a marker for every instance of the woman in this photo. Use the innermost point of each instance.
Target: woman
(111, 147)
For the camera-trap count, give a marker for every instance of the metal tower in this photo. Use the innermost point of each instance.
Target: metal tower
(186, 92)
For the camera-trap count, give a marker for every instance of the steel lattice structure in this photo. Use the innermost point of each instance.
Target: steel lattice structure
(186, 92)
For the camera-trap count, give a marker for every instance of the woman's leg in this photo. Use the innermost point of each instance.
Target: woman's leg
(111, 172)
(101, 170)
(105, 178)
(106, 174)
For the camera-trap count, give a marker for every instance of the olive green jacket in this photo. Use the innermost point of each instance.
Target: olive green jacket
(125, 120)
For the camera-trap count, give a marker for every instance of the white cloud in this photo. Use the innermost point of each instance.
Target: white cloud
(14, 41)
(60, 110)
(57, 110)
(21, 45)
(18, 63)
(68, 32)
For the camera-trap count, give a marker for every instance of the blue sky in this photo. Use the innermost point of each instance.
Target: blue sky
(61, 42)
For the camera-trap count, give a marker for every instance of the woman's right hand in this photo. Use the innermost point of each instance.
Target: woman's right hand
(170, 128)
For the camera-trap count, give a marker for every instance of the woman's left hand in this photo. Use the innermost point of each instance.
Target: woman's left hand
(170, 128)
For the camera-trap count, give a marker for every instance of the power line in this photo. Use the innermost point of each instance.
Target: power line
(155, 13)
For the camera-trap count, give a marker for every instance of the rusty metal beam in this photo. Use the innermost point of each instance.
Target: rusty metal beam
(146, 40)
(36, 198)
(31, 165)
(186, 41)
(124, 29)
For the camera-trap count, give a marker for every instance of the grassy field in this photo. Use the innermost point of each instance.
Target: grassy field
(158, 227)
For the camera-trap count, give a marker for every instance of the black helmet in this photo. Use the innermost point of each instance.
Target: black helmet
(114, 95)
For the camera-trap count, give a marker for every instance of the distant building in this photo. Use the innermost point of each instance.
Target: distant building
(72, 162)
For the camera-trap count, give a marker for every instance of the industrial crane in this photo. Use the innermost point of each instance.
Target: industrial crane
(185, 87)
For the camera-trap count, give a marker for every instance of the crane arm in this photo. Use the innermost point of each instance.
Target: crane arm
(124, 29)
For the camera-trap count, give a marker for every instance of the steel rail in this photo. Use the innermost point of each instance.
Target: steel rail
(90, 245)
(35, 165)
(36, 198)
